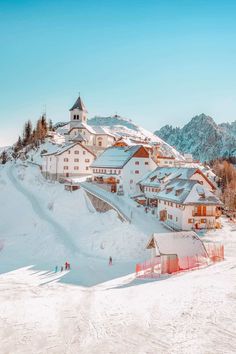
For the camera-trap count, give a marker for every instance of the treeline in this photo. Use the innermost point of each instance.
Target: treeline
(33, 136)
(226, 171)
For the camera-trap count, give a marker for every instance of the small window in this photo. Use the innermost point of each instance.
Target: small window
(87, 168)
(76, 160)
(66, 168)
(76, 152)
(190, 221)
(87, 160)
(68, 151)
(176, 219)
(146, 163)
(136, 172)
(136, 162)
(203, 221)
(131, 181)
(76, 167)
(84, 152)
(77, 116)
(66, 159)
(74, 116)
(100, 143)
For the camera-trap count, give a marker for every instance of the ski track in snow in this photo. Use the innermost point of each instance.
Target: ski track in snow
(62, 234)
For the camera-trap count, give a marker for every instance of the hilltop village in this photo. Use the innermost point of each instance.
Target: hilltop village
(180, 192)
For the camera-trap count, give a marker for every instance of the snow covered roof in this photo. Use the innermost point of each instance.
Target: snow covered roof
(186, 191)
(116, 157)
(67, 147)
(160, 174)
(79, 105)
(164, 174)
(183, 244)
(79, 138)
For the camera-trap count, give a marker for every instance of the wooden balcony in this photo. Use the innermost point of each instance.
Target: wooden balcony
(216, 214)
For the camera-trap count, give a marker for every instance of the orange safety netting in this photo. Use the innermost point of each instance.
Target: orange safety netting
(156, 266)
(215, 251)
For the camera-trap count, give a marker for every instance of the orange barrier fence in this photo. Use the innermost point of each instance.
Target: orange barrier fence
(215, 251)
(169, 264)
(149, 269)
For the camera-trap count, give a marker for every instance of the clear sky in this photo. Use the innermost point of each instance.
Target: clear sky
(154, 61)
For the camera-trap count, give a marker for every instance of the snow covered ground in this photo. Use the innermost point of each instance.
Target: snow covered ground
(96, 308)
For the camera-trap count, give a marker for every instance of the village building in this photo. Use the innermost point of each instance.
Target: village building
(177, 251)
(165, 160)
(96, 137)
(152, 183)
(121, 167)
(72, 160)
(186, 204)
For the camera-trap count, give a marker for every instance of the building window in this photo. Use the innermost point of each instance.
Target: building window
(76, 152)
(84, 152)
(87, 160)
(146, 162)
(76, 167)
(203, 221)
(87, 168)
(74, 116)
(190, 221)
(78, 117)
(136, 162)
(99, 143)
(131, 181)
(76, 160)
(176, 219)
(69, 152)
(66, 167)
(136, 172)
(66, 159)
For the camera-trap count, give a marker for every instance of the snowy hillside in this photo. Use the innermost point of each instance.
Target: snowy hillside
(57, 225)
(202, 137)
(125, 127)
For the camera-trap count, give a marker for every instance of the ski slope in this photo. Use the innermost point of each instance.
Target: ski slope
(190, 313)
(47, 226)
(95, 308)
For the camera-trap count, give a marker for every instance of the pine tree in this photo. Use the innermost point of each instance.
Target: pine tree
(4, 157)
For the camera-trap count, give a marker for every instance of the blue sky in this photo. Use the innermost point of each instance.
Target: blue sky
(154, 61)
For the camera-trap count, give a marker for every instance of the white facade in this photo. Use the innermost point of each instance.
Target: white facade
(72, 161)
(127, 175)
(188, 217)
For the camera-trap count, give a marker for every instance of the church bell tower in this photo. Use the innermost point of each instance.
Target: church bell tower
(78, 113)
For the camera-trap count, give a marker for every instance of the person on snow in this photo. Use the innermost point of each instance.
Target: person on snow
(56, 269)
(66, 265)
(110, 260)
(62, 268)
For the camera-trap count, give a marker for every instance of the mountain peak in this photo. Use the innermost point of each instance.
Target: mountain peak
(202, 137)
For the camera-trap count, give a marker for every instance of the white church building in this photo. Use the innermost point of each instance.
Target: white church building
(96, 137)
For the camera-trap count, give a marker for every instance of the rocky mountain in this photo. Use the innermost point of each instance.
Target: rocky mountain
(202, 137)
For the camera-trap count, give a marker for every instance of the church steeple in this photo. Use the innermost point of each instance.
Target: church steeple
(79, 104)
(78, 112)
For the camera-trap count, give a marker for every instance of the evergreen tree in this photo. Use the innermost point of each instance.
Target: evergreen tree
(4, 157)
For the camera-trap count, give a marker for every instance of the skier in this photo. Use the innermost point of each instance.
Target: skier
(110, 260)
(56, 269)
(66, 265)
(62, 268)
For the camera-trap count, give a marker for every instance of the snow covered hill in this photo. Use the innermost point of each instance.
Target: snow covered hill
(121, 126)
(202, 137)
